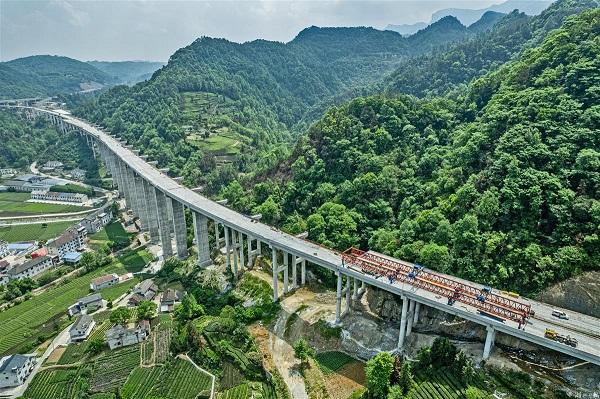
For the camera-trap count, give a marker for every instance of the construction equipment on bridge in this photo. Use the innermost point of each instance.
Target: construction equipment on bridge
(563, 339)
(380, 265)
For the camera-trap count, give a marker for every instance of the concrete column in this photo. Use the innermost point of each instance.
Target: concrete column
(348, 289)
(416, 315)
(152, 212)
(141, 200)
(180, 229)
(241, 250)
(275, 272)
(303, 272)
(227, 247)
(217, 236)
(294, 272)
(125, 187)
(201, 233)
(250, 257)
(234, 252)
(258, 247)
(402, 334)
(286, 276)
(338, 299)
(164, 222)
(355, 290)
(489, 342)
(411, 311)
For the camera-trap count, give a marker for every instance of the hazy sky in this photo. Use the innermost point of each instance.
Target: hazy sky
(153, 29)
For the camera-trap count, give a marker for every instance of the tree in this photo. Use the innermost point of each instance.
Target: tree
(146, 310)
(406, 379)
(95, 346)
(120, 315)
(395, 392)
(379, 370)
(189, 308)
(303, 351)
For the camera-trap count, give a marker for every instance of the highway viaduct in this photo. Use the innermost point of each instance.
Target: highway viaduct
(159, 201)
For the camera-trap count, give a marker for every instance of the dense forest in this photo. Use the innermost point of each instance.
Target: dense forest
(24, 143)
(255, 93)
(439, 72)
(46, 75)
(500, 186)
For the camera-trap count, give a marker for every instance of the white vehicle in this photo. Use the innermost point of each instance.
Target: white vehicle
(560, 314)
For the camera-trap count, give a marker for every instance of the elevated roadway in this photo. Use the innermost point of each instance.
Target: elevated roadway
(585, 329)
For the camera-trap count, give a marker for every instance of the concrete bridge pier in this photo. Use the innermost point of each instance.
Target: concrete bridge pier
(219, 240)
(163, 222)
(241, 250)
(294, 272)
(347, 291)
(227, 248)
(141, 200)
(303, 272)
(201, 234)
(151, 207)
(125, 184)
(275, 268)
(234, 237)
(489, 342)
(410, 316)
(180, 228)
(403, 318)
(338, 298)
(416, 314)
(286, 273)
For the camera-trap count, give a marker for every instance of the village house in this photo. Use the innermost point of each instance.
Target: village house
(82, 328)
(94, 222)
(86, 305)
(120, 336)
(15, 369)
(4, 172)
(78, 174)
(51, 166)
(72, 240)
(47, 195)
(104, 281)
(3, 249)
(169, 299)
(31, 267)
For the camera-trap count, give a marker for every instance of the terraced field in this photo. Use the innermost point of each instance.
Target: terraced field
(111, 369)
(31, 232)
(57, 383)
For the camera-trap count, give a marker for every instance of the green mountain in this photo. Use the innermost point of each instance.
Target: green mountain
(47, 75)
(501, 185)
(128, 72)
(235, 101)
(440, 72)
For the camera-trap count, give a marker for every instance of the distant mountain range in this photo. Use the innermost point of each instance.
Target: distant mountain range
(469, 16)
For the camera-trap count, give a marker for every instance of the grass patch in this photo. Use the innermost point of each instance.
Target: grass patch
(14, 204)
(112, 232)
(331, 362)
(33, 232)
(44, 315)
(328, 331)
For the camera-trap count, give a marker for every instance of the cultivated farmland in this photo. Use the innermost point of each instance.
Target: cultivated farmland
(31, 232)
(45, 314)
(14, 204)
(111, 369)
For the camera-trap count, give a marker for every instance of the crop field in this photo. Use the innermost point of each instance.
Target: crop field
(33, 232)
(440, 385)
(23, 323)
(14, 204)
(111, 369)
(147, 351)
(179, 379)
(140, 382)
(333, 361)
(162, 340)
(239, 392)
(112, 232)
(56, 383)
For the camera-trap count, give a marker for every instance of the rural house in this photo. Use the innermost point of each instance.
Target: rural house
(104, 281)
(82, 328)
(86, 305)
(15, 369)
(32, 267)
(3, 249)
(169, 299)
(120, 336)
(72, 240)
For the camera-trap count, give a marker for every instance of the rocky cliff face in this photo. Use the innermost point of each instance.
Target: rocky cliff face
(581, 294)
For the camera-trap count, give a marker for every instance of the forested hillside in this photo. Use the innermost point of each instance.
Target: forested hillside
(501, 186)
(24, 143)
(223, 102)
(440, 72)
(46, 75)
(128, 72)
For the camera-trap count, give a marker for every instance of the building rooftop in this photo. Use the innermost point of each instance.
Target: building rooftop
(13, 362)
(82, 323)
(145, 286)
(72, 257)
(18, 269)
(171, 295)
(104, 279)
(90, 298)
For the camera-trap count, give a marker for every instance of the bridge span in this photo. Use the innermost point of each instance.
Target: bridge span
(159, 201)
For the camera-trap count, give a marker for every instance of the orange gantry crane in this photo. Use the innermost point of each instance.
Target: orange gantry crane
(488, 303)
